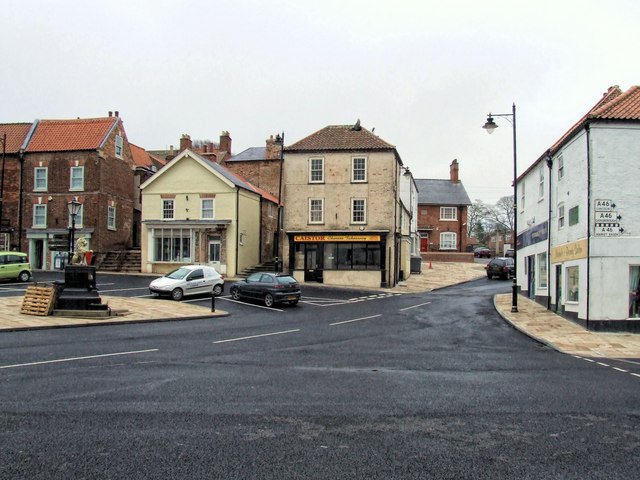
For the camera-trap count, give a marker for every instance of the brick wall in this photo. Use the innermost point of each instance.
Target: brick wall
(262, 173)
(429, 216)
(447, 257)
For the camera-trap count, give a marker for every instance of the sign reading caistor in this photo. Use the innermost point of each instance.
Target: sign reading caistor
(336, 238)
(569, 251)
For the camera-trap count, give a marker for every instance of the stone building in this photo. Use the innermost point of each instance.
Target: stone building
(343, 217)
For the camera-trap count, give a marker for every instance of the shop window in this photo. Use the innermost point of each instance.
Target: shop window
(573, 287)
(542, 270)
(172, 245)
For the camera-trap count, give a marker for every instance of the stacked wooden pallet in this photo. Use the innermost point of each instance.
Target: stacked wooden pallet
(39, 300)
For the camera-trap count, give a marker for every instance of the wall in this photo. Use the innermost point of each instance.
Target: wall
(429, 216)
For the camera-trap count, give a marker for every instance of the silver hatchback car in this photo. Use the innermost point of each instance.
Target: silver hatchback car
(188, 280)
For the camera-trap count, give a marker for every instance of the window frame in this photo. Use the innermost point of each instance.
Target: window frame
(73, 188)
(311, 211)
(443, 214)
(313, 170)
(43, 207)
(560, 168)
(203, 209)
(363, 211)
(561, 216)
(574, 218)
(364, 170)
(453, 235)
(543, 271)
(35, 179)
(119, 146)
(165, 203)
(111, 218)
(541, 183)
(568, 276)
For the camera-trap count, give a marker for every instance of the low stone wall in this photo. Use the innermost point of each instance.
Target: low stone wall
(465, 257)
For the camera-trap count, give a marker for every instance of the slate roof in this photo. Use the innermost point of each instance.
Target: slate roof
(16, 135)
(250, 155)
(340, 138)
(441, 192)
(71, 135)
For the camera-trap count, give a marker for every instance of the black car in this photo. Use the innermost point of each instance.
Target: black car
(502, 267)
(269, 287)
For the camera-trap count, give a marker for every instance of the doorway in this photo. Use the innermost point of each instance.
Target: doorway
(531, 268)
(215, 245)
(313, 262)
(558, 308)
(38, 254)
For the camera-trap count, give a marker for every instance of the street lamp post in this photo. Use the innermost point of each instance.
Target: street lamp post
(490, 126)
(74, 207)
(279, 141)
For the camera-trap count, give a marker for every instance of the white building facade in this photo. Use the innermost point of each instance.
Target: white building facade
(579, 219)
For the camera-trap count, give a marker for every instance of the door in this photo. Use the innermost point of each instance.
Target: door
(313, 263)
(558, 289)
(38, 255)
(424, 242)
(215, 246)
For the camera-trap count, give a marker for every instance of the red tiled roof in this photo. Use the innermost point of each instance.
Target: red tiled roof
(70, 135)
(624, 106)
(142, 158)
(16, 134)
(340, 137)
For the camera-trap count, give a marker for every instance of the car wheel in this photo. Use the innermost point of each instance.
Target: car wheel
(217, 290)
(235, 293)
(177, 294)
(24, 276)
(268, 300)
(489, 276)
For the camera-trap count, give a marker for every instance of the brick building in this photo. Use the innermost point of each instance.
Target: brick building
(442, 213)
(59, 160)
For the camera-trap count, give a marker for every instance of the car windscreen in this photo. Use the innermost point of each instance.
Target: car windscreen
(178, 274)
(286, 279)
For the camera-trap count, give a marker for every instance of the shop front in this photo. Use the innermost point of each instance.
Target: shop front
(339, 258)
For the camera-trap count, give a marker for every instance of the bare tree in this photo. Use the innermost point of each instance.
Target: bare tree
(477, 215)
(501, 215)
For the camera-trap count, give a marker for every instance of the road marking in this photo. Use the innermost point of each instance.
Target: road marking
(73, 359)
(256, 336)
(251, 304)
(603, 364)
(124, 289)
(415, 306)
(636, 375)
(621, 370)
(355, 320)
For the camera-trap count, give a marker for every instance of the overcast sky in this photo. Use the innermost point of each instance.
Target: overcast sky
(424, 73)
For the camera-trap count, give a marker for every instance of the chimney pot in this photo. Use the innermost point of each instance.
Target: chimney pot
(117, 113)
(110, 113)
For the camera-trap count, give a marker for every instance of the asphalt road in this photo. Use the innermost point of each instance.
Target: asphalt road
(348, 384)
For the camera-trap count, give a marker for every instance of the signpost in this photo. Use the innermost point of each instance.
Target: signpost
(606, 219)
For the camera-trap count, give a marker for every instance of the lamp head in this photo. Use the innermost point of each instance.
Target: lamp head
(490, 126)
(74, 206)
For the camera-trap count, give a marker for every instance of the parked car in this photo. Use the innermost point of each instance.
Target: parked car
(509, 253)
(502, 267)
(270, 287)
(482, 252)
(188, 280)
(14, 266)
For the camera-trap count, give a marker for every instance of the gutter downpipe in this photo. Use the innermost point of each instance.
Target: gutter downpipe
(550, 165)
(237, 227)
(587, 128)
(21, 158)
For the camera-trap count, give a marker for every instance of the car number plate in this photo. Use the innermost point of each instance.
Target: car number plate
(292, 297)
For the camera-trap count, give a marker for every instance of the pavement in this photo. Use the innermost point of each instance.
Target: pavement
(531, 319)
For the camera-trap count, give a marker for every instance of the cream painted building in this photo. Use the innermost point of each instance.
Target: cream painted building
(344, 221)
(196, 211)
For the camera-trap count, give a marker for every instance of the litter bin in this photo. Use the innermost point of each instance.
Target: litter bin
(416, 264)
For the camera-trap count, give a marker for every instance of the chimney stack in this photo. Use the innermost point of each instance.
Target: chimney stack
(453, 172)
(117, 113)
(110, 113)
(185, 142)
(272, 149)
(225, 142)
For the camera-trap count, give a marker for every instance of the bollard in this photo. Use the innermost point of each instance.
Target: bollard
(213, 301)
